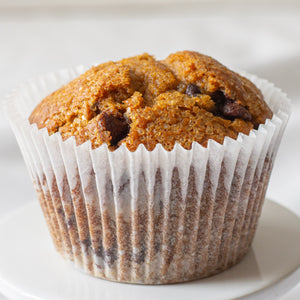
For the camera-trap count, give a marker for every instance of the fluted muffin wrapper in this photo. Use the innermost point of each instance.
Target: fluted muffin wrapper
(148, 217)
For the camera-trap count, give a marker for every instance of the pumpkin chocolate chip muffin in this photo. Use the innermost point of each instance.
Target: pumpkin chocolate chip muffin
(150, 171)
(186, 98)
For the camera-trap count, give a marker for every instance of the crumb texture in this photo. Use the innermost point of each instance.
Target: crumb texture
(139, 100)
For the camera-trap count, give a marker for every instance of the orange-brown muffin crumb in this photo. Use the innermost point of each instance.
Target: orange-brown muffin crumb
(185, 98)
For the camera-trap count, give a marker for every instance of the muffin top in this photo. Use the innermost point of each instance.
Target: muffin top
(139, 100)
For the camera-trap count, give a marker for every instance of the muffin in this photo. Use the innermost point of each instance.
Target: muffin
(150, 171)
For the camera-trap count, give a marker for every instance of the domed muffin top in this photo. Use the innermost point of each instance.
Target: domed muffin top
(139, 100)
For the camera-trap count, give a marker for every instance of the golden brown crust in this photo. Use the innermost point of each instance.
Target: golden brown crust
(211, 76)
(186, 97)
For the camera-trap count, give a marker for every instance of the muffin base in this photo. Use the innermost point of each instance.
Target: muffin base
(167, 241)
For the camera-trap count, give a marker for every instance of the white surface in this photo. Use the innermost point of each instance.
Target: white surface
(97, 3)
(263, 39)
(270, 268)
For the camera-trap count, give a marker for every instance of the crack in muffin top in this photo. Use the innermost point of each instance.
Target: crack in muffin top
(139, 100)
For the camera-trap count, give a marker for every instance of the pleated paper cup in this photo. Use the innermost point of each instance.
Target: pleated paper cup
(148, 217)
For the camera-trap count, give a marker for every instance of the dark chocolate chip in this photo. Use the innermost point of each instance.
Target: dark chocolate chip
(86, 244)
(60, 211)
(157, 246)
(139, 257)
(229, 109)
(71, 221)
(219, 98)
(99, 251)
(111, 255)
(234, 110)
(116, 125)
(192, 90)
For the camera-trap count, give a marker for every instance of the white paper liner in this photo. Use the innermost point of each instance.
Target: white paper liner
(148, 217)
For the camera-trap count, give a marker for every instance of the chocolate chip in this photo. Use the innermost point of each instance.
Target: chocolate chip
(234, 110)
(86, 243)
(219, 98)
(99, 251)
(60, 211)
(157, 246)
(71, 221)
(111, 256)
(229, 109)
(192, 90)
(117, 125)
(139, 257)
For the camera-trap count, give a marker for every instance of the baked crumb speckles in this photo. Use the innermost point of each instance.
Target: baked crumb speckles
(138, 100)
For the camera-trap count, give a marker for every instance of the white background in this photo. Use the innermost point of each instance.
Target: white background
(261, 37)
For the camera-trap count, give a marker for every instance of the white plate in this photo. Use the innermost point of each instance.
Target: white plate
(30, 268)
